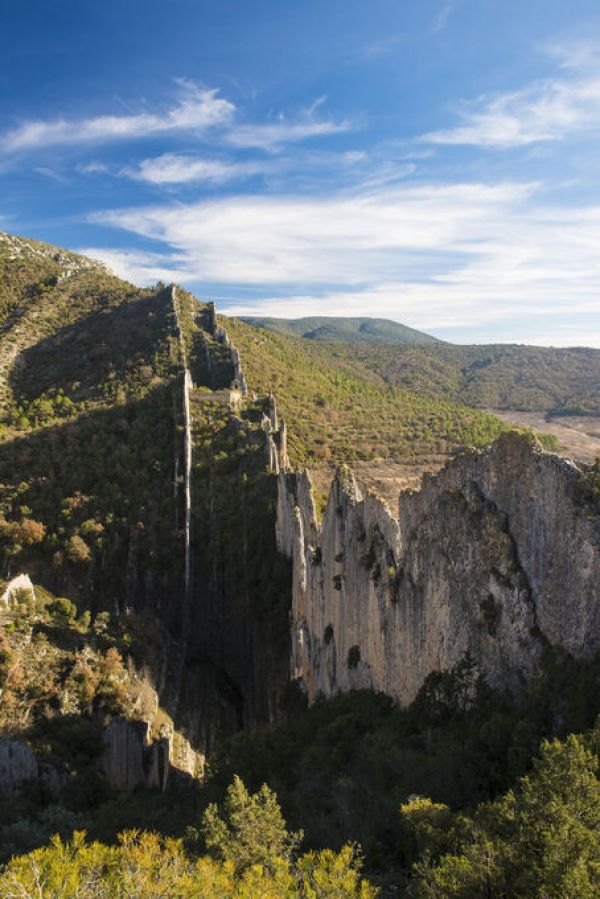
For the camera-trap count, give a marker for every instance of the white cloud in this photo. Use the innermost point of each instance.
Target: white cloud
(93, 168)
(47, 172)
(138, 266)
(197, 109)
(171, 168)
(274, 135)
(434, 256)
(549, 109)
(338, 239)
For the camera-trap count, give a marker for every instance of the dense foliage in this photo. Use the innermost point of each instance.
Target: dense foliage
(343, 767)
(253, 855)
(447, 798)
(338, 411)
(495, 376)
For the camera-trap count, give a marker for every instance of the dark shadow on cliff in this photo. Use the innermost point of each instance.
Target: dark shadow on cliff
(104, 346)
(102, 487)
(71, 793)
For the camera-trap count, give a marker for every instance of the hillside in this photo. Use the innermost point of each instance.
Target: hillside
(338, 410)
(498, 376)
(117, 525)
(330, 328)
(180, 569)
(489, 376)
(550, 390)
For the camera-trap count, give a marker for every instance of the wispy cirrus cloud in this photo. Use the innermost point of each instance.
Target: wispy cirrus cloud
(271, 136)
(172, 168)
(342, 238)
(441, 20)
(139, 266)
(548, 110)
(436, 256)
(197, 109)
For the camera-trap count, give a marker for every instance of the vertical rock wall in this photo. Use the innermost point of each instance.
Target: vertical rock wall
(496, 554)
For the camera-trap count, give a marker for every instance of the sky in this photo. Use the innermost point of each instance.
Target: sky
(434, 162)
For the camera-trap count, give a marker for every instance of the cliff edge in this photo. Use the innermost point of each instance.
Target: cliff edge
(497, 555)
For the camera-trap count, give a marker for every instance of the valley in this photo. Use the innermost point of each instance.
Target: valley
(578, 436)
(337, 567)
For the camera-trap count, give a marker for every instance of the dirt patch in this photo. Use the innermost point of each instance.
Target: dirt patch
(385, 478)
(579, 436)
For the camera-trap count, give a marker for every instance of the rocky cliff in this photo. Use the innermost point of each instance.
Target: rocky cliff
(497, 554)
(144, 484)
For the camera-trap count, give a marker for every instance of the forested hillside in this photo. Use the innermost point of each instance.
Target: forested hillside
(368, 330)
(128, 448)
(495, 376)
(340, 410)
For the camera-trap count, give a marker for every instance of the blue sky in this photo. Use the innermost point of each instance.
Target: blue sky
(431, 162)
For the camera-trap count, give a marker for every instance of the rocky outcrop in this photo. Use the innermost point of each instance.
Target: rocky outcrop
(16, 588)
(495, 555)
(18, 766)
(130, 760)
(275, 437)
(238, 373)
(187, 479)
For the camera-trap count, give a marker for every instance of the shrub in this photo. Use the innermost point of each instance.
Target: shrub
(62, 610)
(252, 831)
(77, 550)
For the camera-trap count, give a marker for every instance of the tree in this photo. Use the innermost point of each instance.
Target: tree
(62, 610)
(252, 831)
(77, 550)
(333, 875)
(539, 840)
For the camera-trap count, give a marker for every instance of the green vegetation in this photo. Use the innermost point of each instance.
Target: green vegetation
(540, 839)
(79, 498)
(88, 429)
(58, 663)
(62, 677)
(589, 484)
(371, 330)
(338, 412)
(349, 768)
(254, 855)
(450, 797)
(503, 376)
(495, 376)
(347, 771)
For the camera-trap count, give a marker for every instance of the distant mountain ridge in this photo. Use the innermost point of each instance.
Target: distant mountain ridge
(332, 328)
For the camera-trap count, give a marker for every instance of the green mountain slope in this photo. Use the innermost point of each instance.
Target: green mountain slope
(364, 330)
(496, 376)
(337, 410)
(93, 476)
(93, 502)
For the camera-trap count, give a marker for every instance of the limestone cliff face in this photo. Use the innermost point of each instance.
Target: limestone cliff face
(129, 759)
(495, 555)
(18, 766)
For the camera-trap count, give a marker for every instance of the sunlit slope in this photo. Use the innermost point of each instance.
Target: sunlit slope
(497, 376)
(329, 328)
(335, 411)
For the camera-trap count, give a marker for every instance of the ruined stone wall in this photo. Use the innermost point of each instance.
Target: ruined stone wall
(496, 554)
